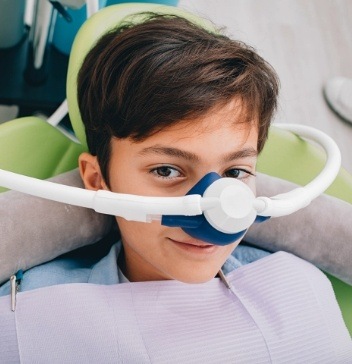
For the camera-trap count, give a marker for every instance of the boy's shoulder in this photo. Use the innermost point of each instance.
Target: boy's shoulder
(246, 254)
(283, 273)
(284, 262)
(57, 271)
(68, 269)
(284, 294)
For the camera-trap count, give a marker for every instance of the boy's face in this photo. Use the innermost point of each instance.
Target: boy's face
(169, 163)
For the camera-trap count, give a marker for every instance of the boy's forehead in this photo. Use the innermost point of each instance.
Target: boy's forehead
(220, 132)
(203, 131)
(231, 117)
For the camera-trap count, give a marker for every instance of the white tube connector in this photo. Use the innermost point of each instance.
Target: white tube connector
(145, 208)
(234, 211)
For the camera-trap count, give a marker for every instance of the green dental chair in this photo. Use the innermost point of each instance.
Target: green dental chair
(32, 147)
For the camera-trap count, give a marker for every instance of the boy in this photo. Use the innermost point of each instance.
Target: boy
(179, 102)
(165, 102)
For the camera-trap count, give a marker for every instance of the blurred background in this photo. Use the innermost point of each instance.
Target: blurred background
(306, 41)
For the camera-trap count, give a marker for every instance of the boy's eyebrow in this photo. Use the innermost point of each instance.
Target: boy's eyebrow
(242, 153)
(169, 151)
(179, 153)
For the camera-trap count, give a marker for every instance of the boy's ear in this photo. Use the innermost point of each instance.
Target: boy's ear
(90, 172)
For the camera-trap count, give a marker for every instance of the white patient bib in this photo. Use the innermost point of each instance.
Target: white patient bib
(280, 310)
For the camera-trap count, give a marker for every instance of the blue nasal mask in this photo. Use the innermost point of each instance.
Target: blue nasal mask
(216, 210)
(228, 220)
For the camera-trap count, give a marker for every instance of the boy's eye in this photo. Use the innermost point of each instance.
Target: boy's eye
(166, 172)
(238, 173)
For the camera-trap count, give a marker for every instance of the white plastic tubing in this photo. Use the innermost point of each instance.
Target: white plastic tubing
(131, 207)
(287, 203)
(144, 208)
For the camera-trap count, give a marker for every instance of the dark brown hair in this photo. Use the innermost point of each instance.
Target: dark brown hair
(140, 78)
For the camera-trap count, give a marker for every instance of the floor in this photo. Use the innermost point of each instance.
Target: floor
(307, 42)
